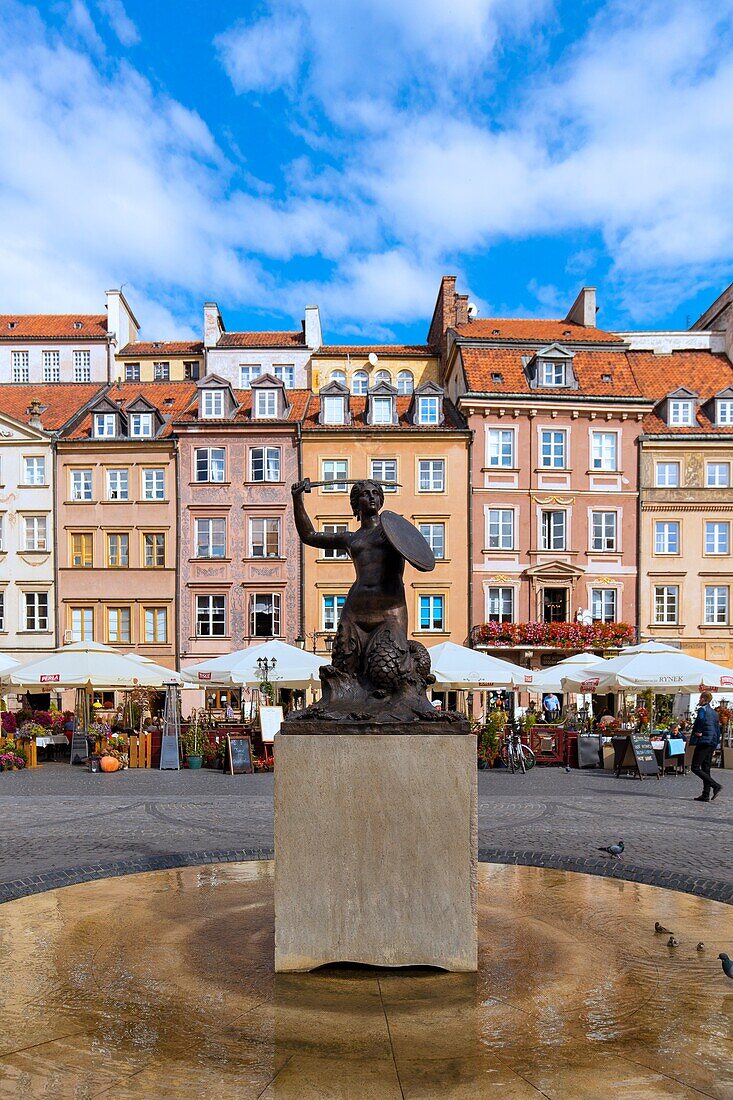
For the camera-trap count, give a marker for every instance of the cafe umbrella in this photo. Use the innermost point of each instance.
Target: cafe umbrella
(294, 668)
(456, 667)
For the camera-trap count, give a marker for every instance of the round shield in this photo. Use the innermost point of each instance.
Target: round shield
(408, 541)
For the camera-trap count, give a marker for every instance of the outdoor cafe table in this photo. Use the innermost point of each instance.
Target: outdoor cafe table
(53, 740)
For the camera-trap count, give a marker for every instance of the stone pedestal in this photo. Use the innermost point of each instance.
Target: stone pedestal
(376, 848)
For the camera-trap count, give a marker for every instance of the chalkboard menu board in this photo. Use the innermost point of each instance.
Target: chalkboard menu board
(640, 755)
(239, 755)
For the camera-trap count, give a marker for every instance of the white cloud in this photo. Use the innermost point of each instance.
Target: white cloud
(119, 21)
(263, 55)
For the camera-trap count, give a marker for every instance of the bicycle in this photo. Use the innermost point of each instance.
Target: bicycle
(516, 755)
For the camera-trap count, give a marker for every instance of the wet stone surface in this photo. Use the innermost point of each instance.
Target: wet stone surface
(68, 825)
(162, 985)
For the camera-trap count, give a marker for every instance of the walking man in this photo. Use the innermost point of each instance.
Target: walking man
(706, 738)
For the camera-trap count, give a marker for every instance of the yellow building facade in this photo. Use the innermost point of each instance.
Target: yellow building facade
(361, 368)
(161, 361)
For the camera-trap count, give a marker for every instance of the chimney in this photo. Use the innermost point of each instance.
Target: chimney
(451, 309)
(583, 309)
(312, 328)
(122, 325)
(34, 413)
(213, 324)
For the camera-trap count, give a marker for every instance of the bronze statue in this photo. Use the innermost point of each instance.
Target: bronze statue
(376, 673)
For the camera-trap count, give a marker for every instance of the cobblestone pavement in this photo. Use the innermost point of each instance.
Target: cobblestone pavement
(62, 824)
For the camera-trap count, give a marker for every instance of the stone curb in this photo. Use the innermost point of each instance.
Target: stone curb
(712, 889)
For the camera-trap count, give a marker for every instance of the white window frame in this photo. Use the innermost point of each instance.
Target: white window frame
(662, 472)
(247, 374)
(132, 372)
(500, 529)
(500, 448)
(269, 524)
(434, 535)
(266, 404)
(603, 535)
(212, 404)
(105, 425)
(212, 465)
(553, 448)
(360, 383)
(499, 598)
(717, 537)
(152, 637)
(141, 425)
(210, 532)
(724, 411)
(34, 470)
(121, 476)
(276, 614)
(334, 409)
(666, 598)
(604, 451)
(432, 472)
(602, 597)
(269, 456)
(285, 374)
(428, 409)
(379, 471)
(21, 369)
(382, 409)
(35, 533)
(553, 373)
(161, 370)
(717, 475)
(334, 529)
(153, 483)
(51, 366)
(82, 366)
(405, 383)
(681, 412)
(716, 603)
(331, 470)
(331, 615)
(86, 485)
(551, 531)
(210, 609)
(667, 537)
(39, 607)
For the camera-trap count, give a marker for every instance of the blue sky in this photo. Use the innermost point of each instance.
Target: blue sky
(270, 155)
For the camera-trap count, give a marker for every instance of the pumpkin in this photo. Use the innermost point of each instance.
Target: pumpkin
(109, 764)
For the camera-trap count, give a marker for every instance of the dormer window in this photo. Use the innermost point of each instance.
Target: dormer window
(681, 413)
(78, 325)
(333, 410)
(141, 425)
(105, 425)
(552, 373)
(428, 409)
(382, 410)
(266, 404)
(724, 411)
(212, 404)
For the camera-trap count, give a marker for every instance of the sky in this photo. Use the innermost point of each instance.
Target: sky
(288, 152)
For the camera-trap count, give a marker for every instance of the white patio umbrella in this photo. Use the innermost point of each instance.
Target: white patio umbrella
(7, 664)
(551, 679)
(167, 675)
(457, 668)
(663, 669)
(294, 668)
(85, 664)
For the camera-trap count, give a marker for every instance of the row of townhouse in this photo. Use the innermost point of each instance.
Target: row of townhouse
(560, 472)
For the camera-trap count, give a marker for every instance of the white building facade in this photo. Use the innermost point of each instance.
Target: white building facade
(240, 357)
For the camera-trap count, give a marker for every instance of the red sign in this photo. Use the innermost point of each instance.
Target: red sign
(49, 677)
(529, 679)
(590, 685)
(726, 681)
(204, 675)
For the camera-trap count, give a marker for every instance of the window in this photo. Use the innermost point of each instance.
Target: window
(191, 371)
(211, 538)
(501, 605)
(335, 529)
(156, 624)
(118, 550)
(552, 374)
(2, 533)
(34, 533)
(431, 475)
(154, 549)
(716, 605)
(666, 602)
(141, 425)
(265, 463)
(405, 382)
(501, 447)
(34, 470)
(336, 470)
(82, 366)
(210, 616)
(154, 484)
(724, 412)
(132, 372)
(666, 537)
(553, 530)
(717, 538)
(2, 610)
(117, 485)
(209, 463)
(603, 531)
(332, 608)
(360, 383)
(286, 375)
(717, 475)
(428, 410)
(382, 410)
(82, 550)
(105, 425)
(604, 451)
(501, 528)
(51, 366)
(603, 604)
(680, 412)
(668, 474)
(434, 535)
(552, 450)
(36, 610)
(266, 404)
(385, 469)
(264, 538)
(161, 372)
(212, 404)
(21, 374)
(382, 376)
(432, 615)
(264, 615)
(81, 484)
(82, 624)
(338, 376)
(118, 625)
(248, 373)
(333, 409)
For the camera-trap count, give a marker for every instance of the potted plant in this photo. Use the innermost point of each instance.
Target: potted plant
(193, 742)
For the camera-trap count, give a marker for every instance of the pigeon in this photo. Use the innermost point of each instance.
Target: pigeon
(567, 770)
(672, 942)
(701, 946)
(613, 849)
(660, 928)
(727, 964)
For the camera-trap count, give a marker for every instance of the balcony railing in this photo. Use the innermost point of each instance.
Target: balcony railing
(554, 635)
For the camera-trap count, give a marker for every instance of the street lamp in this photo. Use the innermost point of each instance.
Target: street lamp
(300, 641)
(266, 666)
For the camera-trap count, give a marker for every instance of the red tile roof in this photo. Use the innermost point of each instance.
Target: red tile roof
(387, 350)
(297, 400)
(589, 367)
(52, 326)
(704, 372)
(261, 340)
(531, 331)
(60, 401)
(358, 406)
(169, 398)
(162, 348)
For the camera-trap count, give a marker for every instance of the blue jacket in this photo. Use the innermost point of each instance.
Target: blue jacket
(706, 730)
